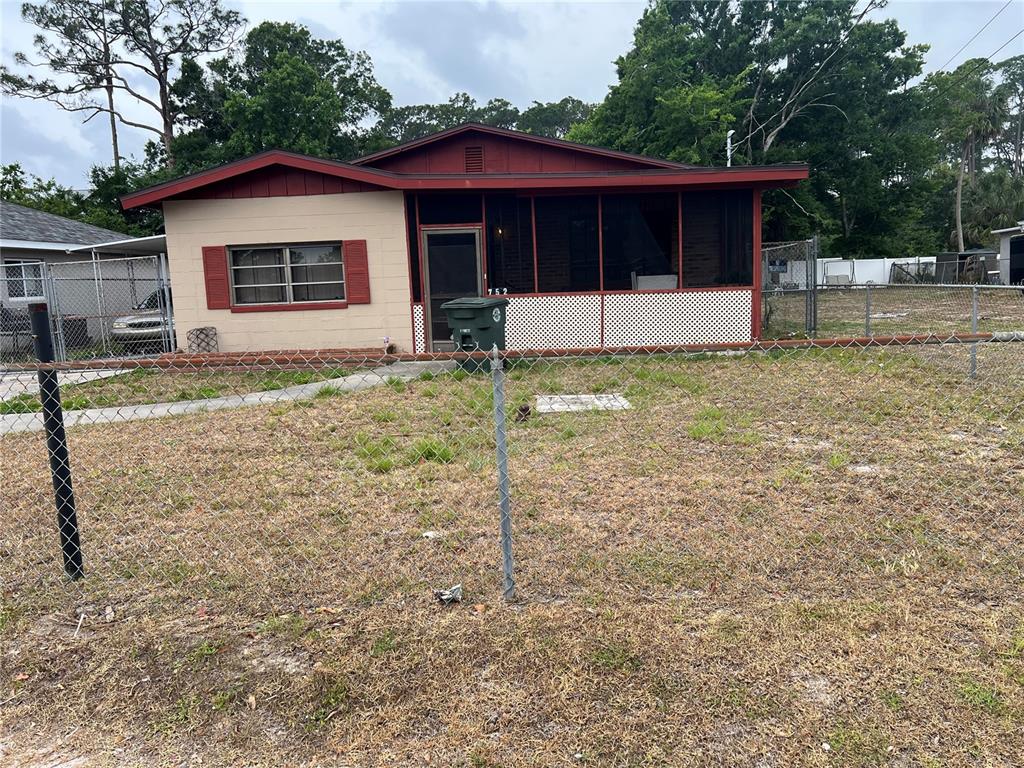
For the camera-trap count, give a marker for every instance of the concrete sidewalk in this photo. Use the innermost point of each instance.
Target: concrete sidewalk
(13, 384)
(33, 422)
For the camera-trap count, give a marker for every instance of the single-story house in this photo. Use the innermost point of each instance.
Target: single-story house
(1011, 254)
(592, 247)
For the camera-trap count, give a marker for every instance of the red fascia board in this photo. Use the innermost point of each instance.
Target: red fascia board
(750, 175)
(769, 177)
(520, 135)
(169, 189)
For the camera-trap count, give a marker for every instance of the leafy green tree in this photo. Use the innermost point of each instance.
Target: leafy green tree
(99, 206)
(811, 80)
(401, 124)
(969, 115)
(286, 89)
(554, 118)
(158, 36)
(1009, 144)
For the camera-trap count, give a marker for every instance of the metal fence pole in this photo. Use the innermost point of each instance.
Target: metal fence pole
(60, 347)
(504, 499)
(814, 287)
(974, 329)
(166, 313)
(867, 310)
(56, 443)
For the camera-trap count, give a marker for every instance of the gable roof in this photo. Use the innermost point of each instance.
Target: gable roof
(17, 222)
(519, 136)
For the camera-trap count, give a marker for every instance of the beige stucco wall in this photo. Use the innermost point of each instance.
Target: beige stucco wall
(377, 217)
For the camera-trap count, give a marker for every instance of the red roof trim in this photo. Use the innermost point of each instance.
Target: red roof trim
(521, 136)
(776, 175)
(160, 192)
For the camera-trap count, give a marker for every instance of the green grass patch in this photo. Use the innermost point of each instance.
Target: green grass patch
(334, 697)
(431, 449)
(286, 625)
(983, 697)
(858, 746)
(385, 644)
(616, 657)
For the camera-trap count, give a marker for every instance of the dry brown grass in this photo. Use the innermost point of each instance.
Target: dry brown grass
(767, 554)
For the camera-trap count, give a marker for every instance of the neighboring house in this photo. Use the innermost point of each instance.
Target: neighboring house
(29, 238)
(88, 275)
(1011, 254)
(592, 247)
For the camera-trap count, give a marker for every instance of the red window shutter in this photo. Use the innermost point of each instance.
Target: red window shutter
(215, 271)
(357, 272)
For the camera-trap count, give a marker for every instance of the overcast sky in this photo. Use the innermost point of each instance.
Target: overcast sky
(425, 51)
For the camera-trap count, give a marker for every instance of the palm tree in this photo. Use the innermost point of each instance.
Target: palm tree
(972, 116)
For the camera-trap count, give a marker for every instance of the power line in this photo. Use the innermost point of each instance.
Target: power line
(975, 37)
(977, 67)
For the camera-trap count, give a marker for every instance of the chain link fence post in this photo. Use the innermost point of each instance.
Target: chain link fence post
(56, 443)
(508, 589)
(812, 287)
(867, 310)
(974, 329)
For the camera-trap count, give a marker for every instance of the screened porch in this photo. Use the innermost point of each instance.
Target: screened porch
(608, 269)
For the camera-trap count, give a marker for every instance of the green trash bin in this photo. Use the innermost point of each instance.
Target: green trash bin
(477, 323)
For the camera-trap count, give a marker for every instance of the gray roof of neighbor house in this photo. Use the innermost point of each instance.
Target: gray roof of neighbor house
(20, 223)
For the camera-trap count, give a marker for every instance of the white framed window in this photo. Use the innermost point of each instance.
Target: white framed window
(287, 274)
(23, 279)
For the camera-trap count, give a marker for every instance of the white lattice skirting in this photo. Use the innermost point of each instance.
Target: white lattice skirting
(629, 319)
(687, 317)
(553, 322)
(419, 329)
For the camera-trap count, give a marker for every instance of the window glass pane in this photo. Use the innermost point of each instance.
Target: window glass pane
(263, 295)
(34, 287)
(14, 280)
(321, 273)
(314, 254)
(257, 257)
(641, 240)
(567, 244)
(509, 244)
(259, 276)
(330, 292)
(718, 238)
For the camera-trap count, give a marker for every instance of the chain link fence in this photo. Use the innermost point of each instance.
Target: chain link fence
(474, 558)
(99, 308)
(804, 296)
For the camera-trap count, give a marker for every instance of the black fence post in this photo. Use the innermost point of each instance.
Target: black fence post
(56, 443)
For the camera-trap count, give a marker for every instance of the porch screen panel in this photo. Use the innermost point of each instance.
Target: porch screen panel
(509, 230)
(718, 238)
(567, 244)
(451, 208)
(414, 247)
(641, 238)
